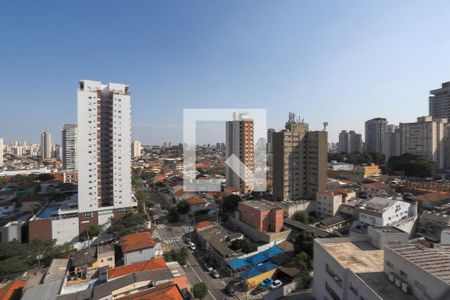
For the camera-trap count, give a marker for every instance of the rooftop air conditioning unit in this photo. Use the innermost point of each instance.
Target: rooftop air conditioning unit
(398, 282)
(391, 277)
(405, 287)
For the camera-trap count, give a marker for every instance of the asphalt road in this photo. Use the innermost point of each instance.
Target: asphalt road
(171, 235)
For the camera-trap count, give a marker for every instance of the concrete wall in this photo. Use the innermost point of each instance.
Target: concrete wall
(258, 236)
(105, 216)
(141, 255)
(421, 283)
(65, 230)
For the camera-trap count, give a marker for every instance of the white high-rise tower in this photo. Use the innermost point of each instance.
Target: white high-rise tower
(103, 147)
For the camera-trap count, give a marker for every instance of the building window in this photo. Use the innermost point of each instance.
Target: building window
(389, 264)
(354, 290)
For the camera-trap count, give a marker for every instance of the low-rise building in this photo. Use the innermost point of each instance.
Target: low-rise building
(261, 216)
(371, 170)
(418, 270)
(384, 211)
(329, 201)
(349, 268)
(290, 207)
(197, 204)
(12, 231)
(431, 224)
(139, 246)
(217, 240)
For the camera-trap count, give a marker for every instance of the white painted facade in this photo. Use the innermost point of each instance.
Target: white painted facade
(385, 212)
(136, 149)
(328, 202)
(141, 255)
(103, 147)
(65, 230)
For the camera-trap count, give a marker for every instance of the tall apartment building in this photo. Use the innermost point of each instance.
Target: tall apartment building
(1, 152)
(299, 161)
(349, 142)
(393, 141)
(439, 102)
(103, 147)
(426, 137)
(376, 132)
(46, 145)
(270, 133)
(240, 142)
(69, 146)
(136, 148)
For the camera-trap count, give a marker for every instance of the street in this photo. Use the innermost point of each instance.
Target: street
(171, 235)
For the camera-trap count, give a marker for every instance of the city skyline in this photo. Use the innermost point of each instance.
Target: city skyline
(304, 56)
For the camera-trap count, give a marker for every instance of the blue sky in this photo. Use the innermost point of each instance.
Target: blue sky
(338, 61)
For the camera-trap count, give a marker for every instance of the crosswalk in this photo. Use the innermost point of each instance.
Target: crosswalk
(161, 233)
(161, 226)
(173, 240)
(185, 228)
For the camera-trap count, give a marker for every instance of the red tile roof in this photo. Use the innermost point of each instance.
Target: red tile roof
(12, 289)
(195, 201)
(148, 265)
(137, 241)
(165, 291)
(203, 224)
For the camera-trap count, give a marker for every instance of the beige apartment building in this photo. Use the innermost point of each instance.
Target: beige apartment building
(240, 142)
(299, 161)
(426, 137)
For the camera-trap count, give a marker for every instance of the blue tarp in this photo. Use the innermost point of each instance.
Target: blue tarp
(237, 263)
(254, 260)
(272, 252)
(258, 270)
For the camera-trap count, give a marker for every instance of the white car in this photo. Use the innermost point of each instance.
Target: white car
(208, 268)
(215, 274)
(276, 284)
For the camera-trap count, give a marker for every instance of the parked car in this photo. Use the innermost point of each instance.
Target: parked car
(232, 287)
(208, 268)
(258, 290)
(191, 246)
(266, 282)
(215, 274)
(276, 284)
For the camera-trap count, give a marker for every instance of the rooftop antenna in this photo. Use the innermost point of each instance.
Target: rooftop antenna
(325, 125)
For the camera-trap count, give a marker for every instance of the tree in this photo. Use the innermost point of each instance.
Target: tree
(183, 207)
(200, 290)
(230, 203)
(129, 223)
(93, 230)
(243, 245)
(173, 216)
(304, 242)
(45, 177)
(182, 256)
(302, 216)
(412, 165)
